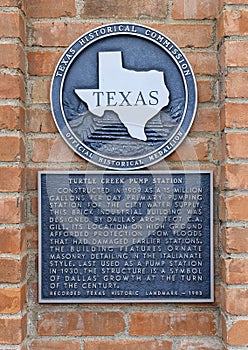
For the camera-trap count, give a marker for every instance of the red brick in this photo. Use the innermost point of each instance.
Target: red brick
(207, 344)
(149, 323)
(236, 83)
(203, 62)
(12, 179)
(12, 56)
(40, 91)
(42, 63)
(220, 26)
(176, 324)
(235, 176)
(12, 86)
(12, 118)
(34, 206)
(63, 34)
(215, 149)
(11, 3)
(205, 90)
(23, 5)
(222, 208)
(238, 333)
(11, 270)
(12, 300)
(128, 345)
(15, 27)
(32, 178)
(222, 60)
(40, 120)
(58, 33)
(233, 22)
(224, 327)
(194, 9)
(234, 115)
(54, 345)
(236, 145)
(232, 59)
(81, 323)
(51, 8)
(13, 330)
(125, 9)
(11, 210)
(191, 149)
(12, 241)
(235, 271)
(187, 35)
(14, 3)
(235, 208)
(206, 120)
(52, 150)
(216, 294)
(235, 239)
(32, 236)
(193, 323)
(33, 294)
(11, 149)
(235, 301)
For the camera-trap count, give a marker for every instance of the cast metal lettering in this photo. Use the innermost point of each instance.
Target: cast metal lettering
(118, 231)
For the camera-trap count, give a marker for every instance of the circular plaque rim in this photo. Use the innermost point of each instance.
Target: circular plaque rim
(135, 162)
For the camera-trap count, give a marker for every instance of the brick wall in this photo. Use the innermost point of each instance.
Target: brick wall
(13, 257)
(213, 36)
(232, 38)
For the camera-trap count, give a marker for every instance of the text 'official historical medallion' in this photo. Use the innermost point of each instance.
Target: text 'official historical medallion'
(123, 96)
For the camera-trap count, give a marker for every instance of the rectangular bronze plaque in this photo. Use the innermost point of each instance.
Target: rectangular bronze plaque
(137, 236)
